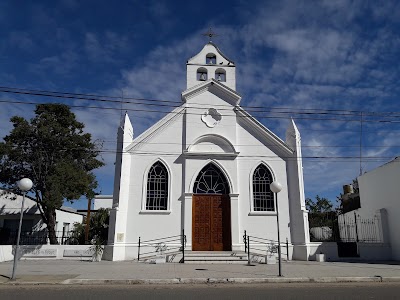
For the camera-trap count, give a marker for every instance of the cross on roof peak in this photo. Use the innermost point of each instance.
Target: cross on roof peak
(210, 34)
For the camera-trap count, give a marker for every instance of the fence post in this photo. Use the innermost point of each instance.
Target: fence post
(355, 221)
(248, 250)
(183, 246)
(138, 252)
(287, 249)
(346, 230)
(245, 241)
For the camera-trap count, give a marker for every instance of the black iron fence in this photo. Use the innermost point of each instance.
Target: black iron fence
(329, 227)
(9, 237)
(161, 246)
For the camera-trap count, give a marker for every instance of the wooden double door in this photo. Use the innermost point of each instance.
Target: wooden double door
(211, 223)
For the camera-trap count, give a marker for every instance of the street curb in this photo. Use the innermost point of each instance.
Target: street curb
(75, 281)
(231, 280)
(391, 279)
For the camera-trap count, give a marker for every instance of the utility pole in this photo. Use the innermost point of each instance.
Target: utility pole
(88, 222)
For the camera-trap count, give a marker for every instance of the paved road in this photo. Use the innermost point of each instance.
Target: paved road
(59, 270)
(205, 291)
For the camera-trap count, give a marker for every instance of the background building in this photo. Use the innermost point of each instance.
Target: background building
(32, 224)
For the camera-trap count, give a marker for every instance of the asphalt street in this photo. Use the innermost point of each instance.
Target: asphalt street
(298, 291)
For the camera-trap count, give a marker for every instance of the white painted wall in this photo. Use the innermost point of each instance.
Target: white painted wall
(65, 217)
(71, 252)
(380, 189)
(199, 61)
(367, 251)
(103, 201)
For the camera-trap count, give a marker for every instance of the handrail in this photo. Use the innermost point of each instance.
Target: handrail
(169, 244)
(167, 237)
(258, 238)
(154, 251)
(254, 241)
(164, 241)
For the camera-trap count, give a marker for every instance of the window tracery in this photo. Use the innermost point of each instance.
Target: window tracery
(157, 187)
(263, 198)
(211, 181)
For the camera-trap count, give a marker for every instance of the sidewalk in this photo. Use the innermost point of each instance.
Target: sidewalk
(128, 272)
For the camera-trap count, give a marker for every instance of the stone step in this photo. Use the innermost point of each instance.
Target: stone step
(211, 254)
(214, 257)
(211, 257)
(208, 261)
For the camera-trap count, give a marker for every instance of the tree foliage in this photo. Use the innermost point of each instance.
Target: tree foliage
(323, 216)
(53, 151)
(98, 228)
(320, 205)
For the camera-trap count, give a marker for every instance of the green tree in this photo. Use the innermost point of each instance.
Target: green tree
(322, 215)
(54, 152)
(320, 205)
(98, 228)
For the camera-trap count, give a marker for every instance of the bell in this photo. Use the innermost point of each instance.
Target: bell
(203, 76)
(219, 77)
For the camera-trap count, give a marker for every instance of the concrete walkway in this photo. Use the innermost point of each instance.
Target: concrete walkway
(128, 272)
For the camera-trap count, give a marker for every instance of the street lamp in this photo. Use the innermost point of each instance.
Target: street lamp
(276, 188)
(25, 184)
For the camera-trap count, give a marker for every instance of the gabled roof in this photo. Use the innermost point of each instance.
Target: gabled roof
(264, 131)
(12, 203)
(216, 48)
(214, 86)
(156, 128)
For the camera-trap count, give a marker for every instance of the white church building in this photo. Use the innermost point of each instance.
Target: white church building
(206, 168)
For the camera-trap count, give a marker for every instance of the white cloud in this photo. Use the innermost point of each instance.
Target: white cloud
(61, 64)
(295, 55)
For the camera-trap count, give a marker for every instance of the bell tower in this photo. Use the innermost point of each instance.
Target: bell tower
(210, 63)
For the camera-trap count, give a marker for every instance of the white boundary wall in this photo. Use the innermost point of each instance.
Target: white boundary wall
(73, 252)
(367, 251)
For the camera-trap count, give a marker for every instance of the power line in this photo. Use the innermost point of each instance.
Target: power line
(102, 98)
(270, 157)
(199, 114)
(263, 145)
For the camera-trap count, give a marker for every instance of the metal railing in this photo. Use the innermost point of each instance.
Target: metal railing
(164, 245)
(8, 237)
(262, 247)
(345, 228)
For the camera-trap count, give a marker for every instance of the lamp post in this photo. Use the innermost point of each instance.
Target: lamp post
(25, 184)
(276, 188)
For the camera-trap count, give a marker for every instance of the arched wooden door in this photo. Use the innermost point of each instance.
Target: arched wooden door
(211, 211)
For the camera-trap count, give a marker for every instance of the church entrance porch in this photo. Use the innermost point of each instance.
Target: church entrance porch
(211, 223)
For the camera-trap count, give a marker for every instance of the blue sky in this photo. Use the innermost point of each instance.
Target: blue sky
(337, 61)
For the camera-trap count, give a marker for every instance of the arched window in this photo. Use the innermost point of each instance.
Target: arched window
(157, 187)
(211, 181)
(263, 198)
(220, 75)
(211, 59)
(201, 74)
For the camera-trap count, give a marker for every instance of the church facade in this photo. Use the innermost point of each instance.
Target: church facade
(206, 168)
